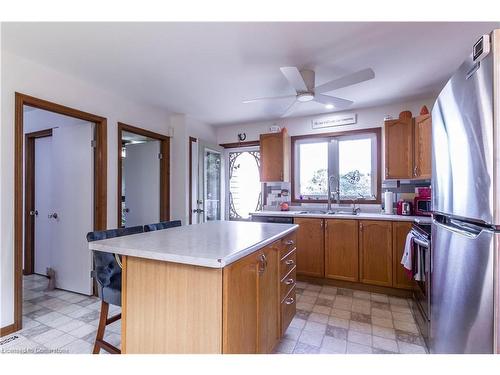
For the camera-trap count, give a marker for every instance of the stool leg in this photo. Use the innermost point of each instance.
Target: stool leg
(102, 326)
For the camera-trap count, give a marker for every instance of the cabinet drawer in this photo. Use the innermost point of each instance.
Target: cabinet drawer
(287, 263)
(288, 283)
(288, 243)
(288, 309)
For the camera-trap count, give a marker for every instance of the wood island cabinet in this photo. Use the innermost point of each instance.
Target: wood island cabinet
(400, 230)
(275, 157)
(375, 252)
(341, 249)
(251, 303)
(310, 247)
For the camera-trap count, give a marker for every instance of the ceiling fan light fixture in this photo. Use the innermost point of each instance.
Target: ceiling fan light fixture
(305, 97)
(329, 106)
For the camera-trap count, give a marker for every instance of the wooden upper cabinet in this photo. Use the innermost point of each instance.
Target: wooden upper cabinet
(341, 249)
(310, 247)
(240, 306)
(400, 230)
(399, 148)
(275, 157)
(375, 252)
(422, 147)
(268, 300)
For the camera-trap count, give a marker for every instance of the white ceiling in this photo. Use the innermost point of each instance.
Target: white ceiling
(206, 69)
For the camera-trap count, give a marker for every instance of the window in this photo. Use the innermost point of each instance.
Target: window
(244, 183)
(348, 160)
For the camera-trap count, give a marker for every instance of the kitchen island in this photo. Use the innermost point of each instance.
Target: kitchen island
(217, 287)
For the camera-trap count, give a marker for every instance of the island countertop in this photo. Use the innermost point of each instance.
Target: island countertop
(213, 244)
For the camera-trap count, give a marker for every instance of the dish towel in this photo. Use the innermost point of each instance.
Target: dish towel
(407, 259)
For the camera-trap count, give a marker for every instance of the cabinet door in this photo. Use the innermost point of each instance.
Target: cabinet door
(375, 245)
(341, 249)
(423, 146)
(268, 300)
(399, 148)
(240, 283)
(400, 230)
(271, 154)
(310, 247)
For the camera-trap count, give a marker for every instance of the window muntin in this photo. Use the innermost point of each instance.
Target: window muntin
(353, 158)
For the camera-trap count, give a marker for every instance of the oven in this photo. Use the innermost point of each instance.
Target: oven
(422, 275)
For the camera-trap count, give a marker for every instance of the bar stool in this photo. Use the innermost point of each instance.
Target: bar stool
(108, 273)
(162, 225)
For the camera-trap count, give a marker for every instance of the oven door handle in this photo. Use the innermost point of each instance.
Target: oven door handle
(421, 243)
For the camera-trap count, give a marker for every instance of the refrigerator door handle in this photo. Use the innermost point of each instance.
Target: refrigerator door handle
(467, 230)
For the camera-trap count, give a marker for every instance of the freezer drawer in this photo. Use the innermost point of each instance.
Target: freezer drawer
(461, 290)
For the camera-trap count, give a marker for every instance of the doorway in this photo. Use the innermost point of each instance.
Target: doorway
(206, 182)
(143, 176)
(97, 172)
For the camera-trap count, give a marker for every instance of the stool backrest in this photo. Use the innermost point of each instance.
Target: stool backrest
(162, 225)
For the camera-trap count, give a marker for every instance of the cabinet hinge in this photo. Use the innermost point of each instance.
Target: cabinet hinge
(160, 156)
(93, 143)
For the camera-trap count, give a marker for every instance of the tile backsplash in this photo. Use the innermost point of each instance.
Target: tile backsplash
(277, 192)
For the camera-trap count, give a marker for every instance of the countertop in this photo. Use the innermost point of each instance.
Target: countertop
(360, 216)
(214, 244)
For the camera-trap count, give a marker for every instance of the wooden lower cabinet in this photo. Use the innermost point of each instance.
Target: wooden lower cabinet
(341, 249)
(268, 314)
(240, 305)
(251, 302)
(310, 247)
(375, 252)
(400, 230)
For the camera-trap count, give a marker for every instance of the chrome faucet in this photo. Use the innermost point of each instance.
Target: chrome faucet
(337, 191)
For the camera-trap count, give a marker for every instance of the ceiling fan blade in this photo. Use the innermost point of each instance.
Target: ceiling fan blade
(293, 76)
(269, 98)
(347, 80)
(337, 102)
(290, 109)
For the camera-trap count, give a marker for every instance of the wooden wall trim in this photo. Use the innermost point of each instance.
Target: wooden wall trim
(7, 330)
(100, 181)
(240, 144)
(378, 133)
(164, 169)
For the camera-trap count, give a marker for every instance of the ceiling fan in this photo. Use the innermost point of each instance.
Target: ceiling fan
(303, 82)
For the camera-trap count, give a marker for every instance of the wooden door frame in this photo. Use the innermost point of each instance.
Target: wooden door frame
(164, 169)
(29, 197)
(100, 184)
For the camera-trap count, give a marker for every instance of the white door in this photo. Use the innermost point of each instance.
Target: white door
(72, 200)
(210, 187)
(141, 183)
(43, 203)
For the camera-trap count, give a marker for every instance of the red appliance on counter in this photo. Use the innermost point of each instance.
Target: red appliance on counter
(422, 206)
(404, 208)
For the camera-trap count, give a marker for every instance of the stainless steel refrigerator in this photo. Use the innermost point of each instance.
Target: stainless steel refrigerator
(466, 204)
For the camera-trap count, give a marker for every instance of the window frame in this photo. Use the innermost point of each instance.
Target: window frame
(337, 136)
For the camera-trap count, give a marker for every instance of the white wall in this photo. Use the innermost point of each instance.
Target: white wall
(21, 75)
(184, 127)
(366, 118)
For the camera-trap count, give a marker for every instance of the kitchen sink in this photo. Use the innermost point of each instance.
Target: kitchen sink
(348, 213)
(328, 213)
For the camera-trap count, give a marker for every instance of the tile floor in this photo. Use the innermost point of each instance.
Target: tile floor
(333, 320)
(329, 320)
(57, 321)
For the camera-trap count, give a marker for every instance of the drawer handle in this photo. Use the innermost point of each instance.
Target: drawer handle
(289, 301)
(289, 242)
(289, 262)
(289, 282)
